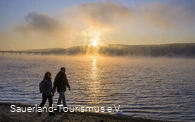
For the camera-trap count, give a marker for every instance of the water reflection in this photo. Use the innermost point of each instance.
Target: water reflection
(150, 87)
(94, 69)
(94, 83)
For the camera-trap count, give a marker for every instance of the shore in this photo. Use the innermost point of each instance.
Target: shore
(7, 116)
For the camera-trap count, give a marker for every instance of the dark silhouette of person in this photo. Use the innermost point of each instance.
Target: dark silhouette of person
(47, 92)
(61, 82)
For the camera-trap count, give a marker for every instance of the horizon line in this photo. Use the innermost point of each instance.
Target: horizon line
(99, 46)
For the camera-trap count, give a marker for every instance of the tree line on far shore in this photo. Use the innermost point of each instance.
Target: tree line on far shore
(165, 50)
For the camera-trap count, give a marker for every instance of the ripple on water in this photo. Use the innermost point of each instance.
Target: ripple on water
(152, 88)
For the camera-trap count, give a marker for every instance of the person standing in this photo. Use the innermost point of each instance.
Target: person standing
(61, 82)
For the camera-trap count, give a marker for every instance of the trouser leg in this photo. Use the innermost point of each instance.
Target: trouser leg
(44, 99)
(59, 99)
(64, 99)
(50, 101)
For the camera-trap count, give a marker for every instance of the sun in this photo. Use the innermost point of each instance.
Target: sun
(95, 42)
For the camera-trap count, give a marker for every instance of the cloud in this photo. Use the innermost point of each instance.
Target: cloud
(189, 5)
(157, 15)
(165, 15)
(98, 19)
(79, 24)
(104, 13)
(39, 24)
(112, 15)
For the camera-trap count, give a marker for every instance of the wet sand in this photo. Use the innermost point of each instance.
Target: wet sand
(7, 116)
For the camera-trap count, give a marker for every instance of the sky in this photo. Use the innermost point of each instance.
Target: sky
(39, 24)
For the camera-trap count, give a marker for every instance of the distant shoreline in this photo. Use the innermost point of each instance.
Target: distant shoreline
(6, 115)
(186, 50)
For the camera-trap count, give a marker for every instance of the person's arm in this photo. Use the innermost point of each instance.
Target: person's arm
(44, 87)
(67, 84)
(54, 87)
(55, 83)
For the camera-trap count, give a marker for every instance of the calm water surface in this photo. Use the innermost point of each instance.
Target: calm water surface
(157, 88)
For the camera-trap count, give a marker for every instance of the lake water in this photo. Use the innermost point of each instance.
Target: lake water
(157, 88)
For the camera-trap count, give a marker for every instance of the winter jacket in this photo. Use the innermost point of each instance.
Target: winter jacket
(47, 85)
(61, 82)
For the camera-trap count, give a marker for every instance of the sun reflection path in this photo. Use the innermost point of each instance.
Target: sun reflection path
(94, 83)
(94, 69)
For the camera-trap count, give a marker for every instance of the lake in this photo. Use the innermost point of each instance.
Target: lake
(156, 88)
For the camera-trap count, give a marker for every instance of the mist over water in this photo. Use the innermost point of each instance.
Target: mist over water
(158, 88)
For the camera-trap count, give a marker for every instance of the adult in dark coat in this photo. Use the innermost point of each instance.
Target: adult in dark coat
(61, 82)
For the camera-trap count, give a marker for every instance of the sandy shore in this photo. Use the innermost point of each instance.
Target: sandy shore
(7, 116)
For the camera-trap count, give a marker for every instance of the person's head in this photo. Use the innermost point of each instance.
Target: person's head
(47, 75)
(62, 69)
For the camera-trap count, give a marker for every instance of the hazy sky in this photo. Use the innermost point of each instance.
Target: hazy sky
(35, 24)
